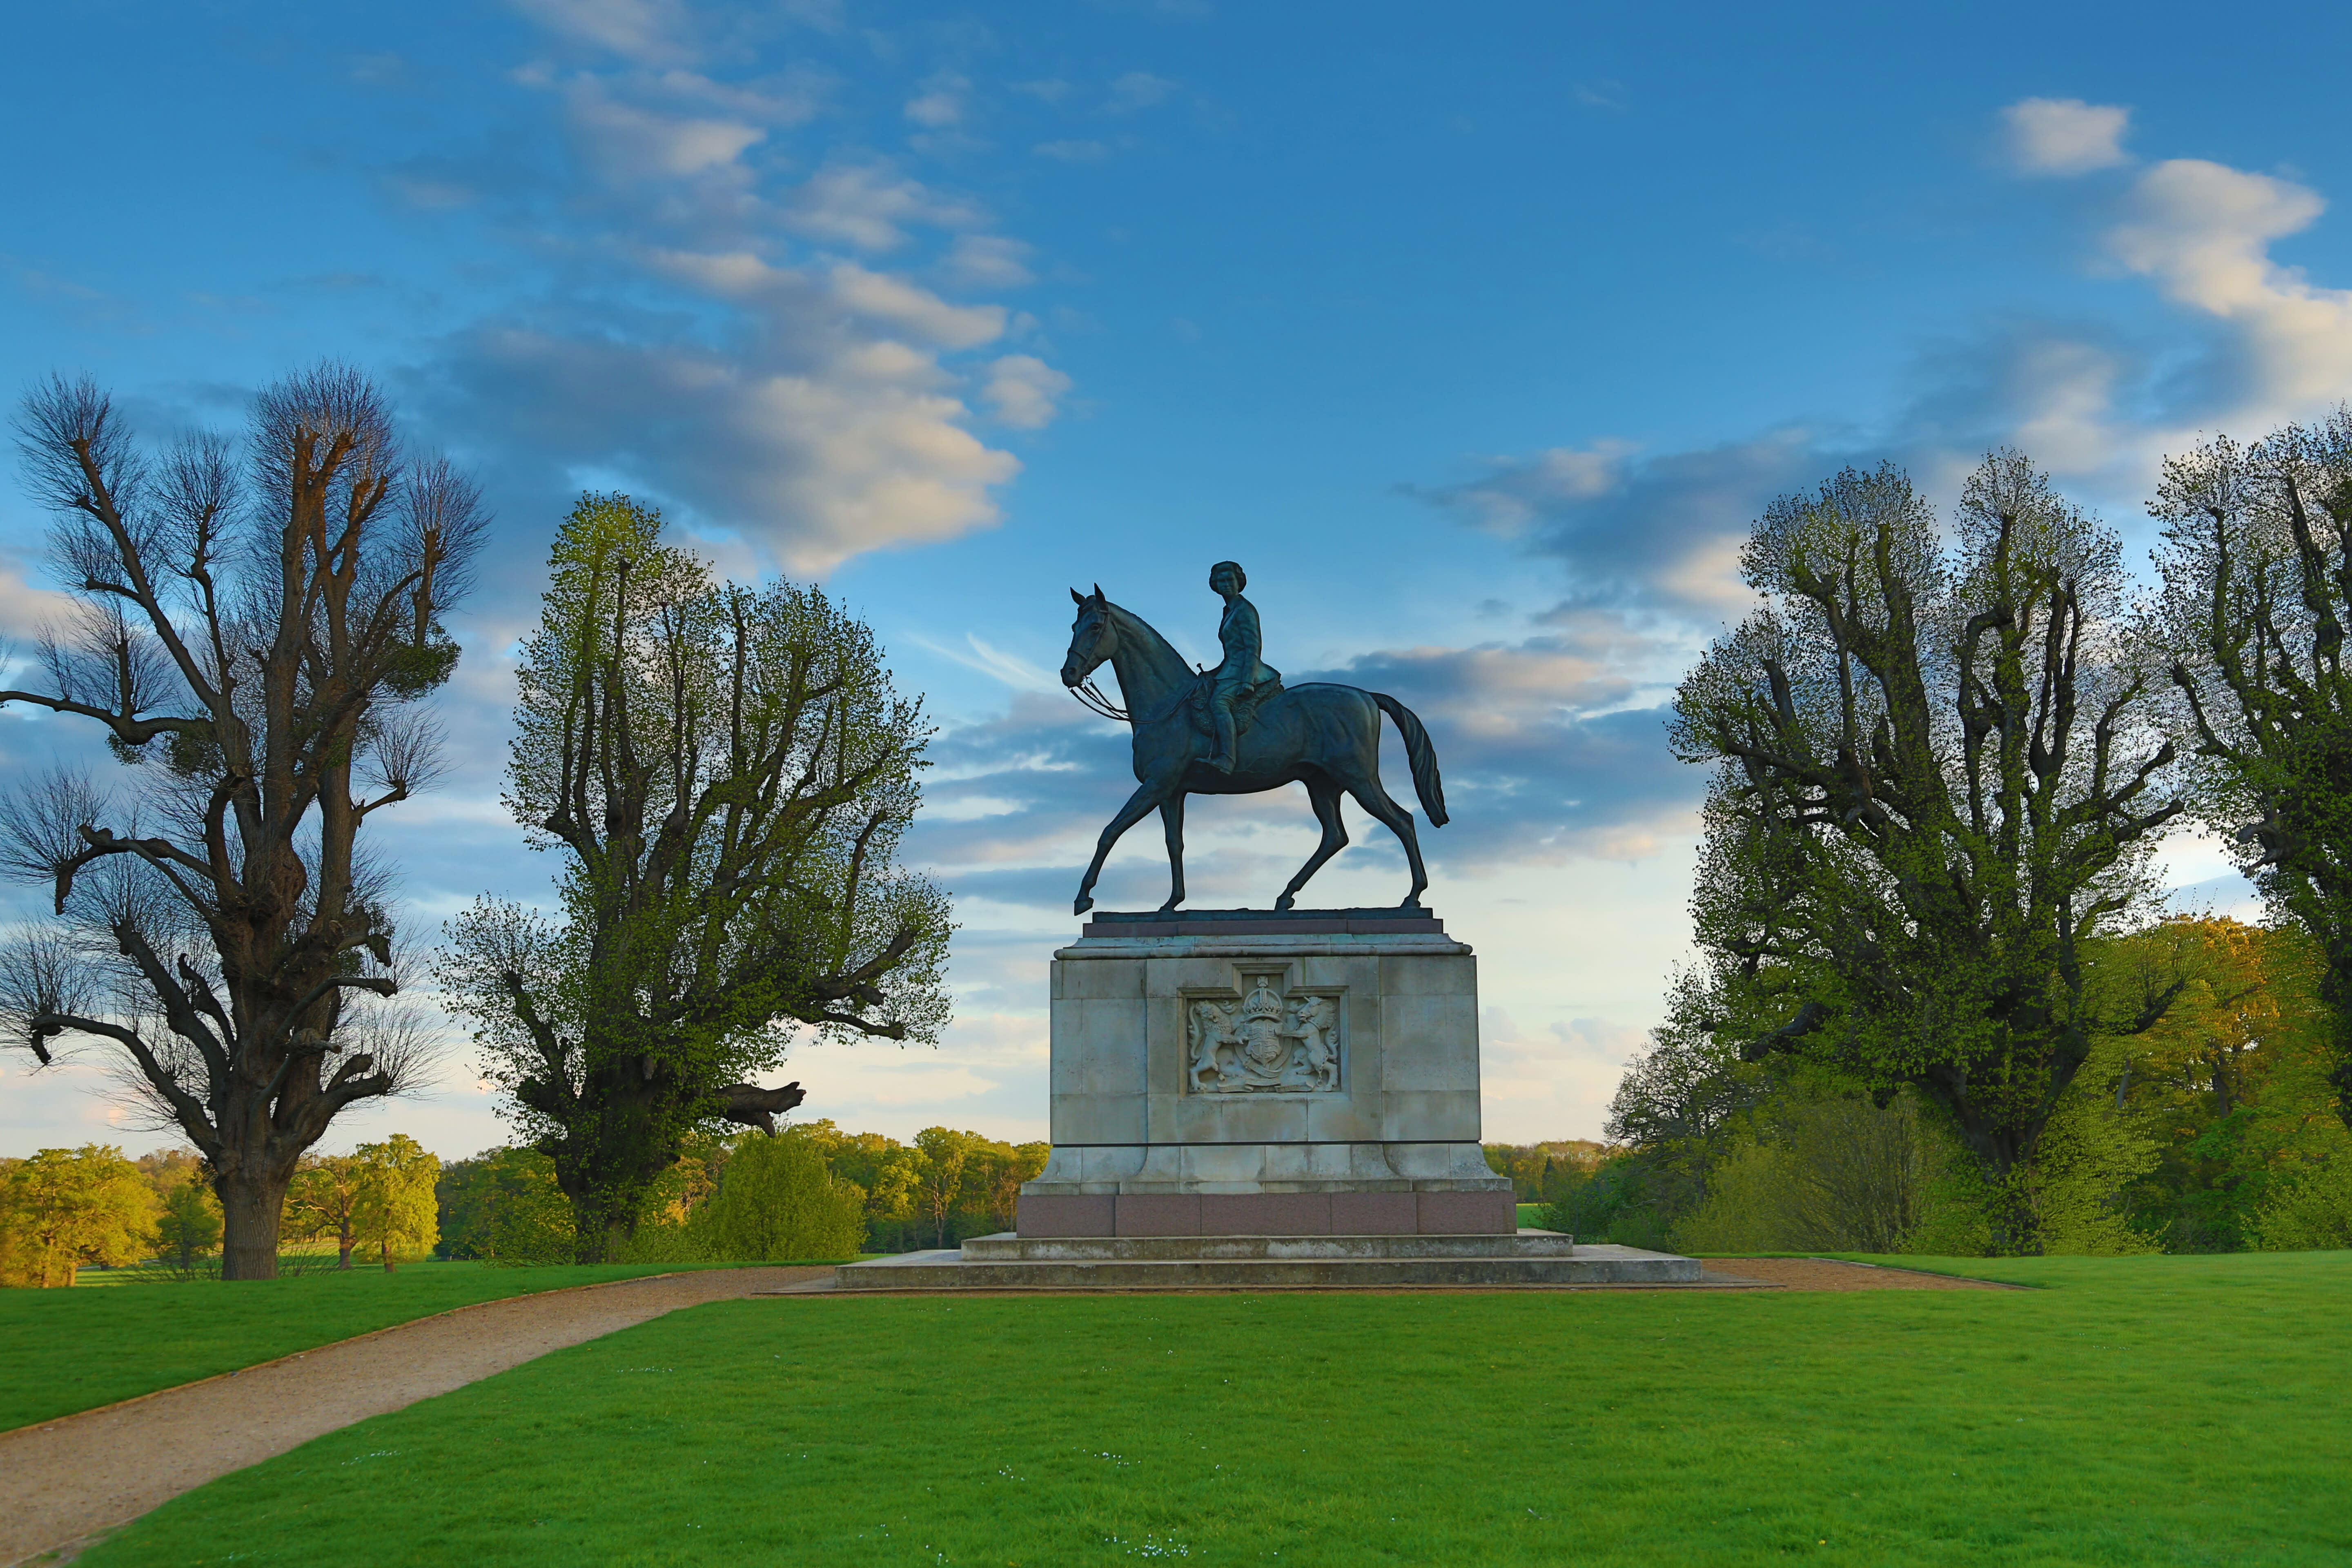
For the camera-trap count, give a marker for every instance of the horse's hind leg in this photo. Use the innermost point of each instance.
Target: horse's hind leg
(1369, 794)
(1324, 797)
(1172, 820)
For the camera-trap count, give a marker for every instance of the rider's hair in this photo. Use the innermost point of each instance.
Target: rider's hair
(1233, 566)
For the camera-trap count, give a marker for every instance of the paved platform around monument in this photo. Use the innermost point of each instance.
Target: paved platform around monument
(1293, 1262)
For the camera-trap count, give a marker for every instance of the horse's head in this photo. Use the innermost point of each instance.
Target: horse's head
(1093, 637)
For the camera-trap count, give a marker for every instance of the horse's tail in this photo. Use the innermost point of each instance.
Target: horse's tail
(1421, 754)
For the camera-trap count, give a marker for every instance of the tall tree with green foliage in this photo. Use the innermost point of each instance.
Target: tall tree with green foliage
(2257, 567)
(323, 1199)
(727, 773)
(66, 1207)
(1935, 784)
(394, 1212)
(189, 1228)
(252, 633)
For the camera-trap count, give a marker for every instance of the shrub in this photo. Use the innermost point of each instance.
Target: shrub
(777, 1200)
(2309, 1214)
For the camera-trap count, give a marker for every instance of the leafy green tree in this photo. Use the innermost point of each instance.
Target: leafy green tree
(68, 1207)
(727, 773)
(941, 1156)
(503, 1206)
(887, 1171)
(394, 1209)
(323, 1199)
(991, 1182)
(1935, 784)
(2257, 567)
(189, 1227)
(2230, 1092)
(252, 635)
(777, 1201)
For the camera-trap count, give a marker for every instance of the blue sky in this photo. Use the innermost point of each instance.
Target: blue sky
(1477, 333)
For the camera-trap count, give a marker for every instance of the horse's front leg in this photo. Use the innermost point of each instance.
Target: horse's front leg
(1172, 820)
(1138, 806)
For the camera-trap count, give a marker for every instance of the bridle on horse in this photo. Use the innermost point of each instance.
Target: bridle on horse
(1090, 697)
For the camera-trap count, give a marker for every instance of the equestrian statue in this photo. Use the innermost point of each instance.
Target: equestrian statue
(1237, 730)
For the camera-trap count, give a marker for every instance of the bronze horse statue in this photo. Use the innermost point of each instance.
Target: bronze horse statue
(1325, 736)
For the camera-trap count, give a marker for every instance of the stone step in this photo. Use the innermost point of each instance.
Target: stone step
(950, 1268)
(1009, 1248)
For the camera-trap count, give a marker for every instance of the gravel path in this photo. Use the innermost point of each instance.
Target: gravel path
(65, 1480)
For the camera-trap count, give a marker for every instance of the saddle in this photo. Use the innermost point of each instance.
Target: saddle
(1246, 702)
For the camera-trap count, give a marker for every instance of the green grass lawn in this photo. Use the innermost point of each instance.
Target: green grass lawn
(63, 1351)
(2172, 1410)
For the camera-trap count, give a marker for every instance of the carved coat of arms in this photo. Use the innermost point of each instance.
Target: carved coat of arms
(1267, 1044)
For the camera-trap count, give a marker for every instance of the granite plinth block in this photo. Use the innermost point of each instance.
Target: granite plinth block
(1272, 1263)
(1008, 1248)
(1244, 1072)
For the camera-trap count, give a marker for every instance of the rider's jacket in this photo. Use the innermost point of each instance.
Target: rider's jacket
(1238, 632)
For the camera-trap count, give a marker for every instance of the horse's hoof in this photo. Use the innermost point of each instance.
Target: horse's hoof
(1284, 902)
(1081, 906)
(1168, 908)
(1410, 904)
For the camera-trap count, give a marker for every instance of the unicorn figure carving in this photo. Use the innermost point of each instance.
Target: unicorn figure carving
(1325, 736)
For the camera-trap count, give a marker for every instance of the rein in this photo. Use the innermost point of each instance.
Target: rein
(1091, 699)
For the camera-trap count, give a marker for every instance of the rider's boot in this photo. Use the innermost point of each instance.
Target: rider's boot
(1223, 758)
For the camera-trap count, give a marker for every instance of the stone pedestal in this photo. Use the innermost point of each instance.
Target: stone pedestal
(1246, 1073)
(1251, 1101)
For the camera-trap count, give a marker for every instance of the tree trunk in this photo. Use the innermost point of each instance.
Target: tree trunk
(601, 1224)
(251, 1210)
(343, 1241)
(2012, 1205)
(388, 1265)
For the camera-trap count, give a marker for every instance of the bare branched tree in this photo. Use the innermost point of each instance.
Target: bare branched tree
(251, 630)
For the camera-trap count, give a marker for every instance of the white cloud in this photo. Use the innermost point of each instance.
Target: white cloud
(24, 609)
(642, 30)
(895, 302)
(2063, 397)
(998, 665)
(941, 102)
(2203, 231)
(1518, 494)
(791, 99)
(989, 261)
(1072, 152)
(1139, 90)
(871, 208)
(858, 450)
(805, 405)
(628, 145)
(1021, 391)
(2065, 135)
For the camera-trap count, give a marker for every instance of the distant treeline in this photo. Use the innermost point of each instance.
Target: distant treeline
(2213, 1131)
(824, 1193)
(158, 1216)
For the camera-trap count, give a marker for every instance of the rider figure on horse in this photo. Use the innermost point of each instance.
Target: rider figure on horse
(1243, 671)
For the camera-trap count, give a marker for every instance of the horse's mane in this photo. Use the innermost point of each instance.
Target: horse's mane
(1129, 622)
